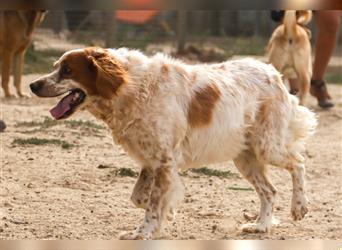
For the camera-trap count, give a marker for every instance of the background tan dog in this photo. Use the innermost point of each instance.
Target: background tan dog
(289, 49)
(16, 28)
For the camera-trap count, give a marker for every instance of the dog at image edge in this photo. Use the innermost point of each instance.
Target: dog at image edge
(289, 50)
(169, 115)
(16, 28)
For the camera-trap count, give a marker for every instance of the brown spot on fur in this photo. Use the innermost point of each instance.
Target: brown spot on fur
(202, 105)
(164, 159)
(165, 71)
(193, 78)
(180, 71)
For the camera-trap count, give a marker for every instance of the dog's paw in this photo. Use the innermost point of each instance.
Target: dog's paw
(259, 227)
(171, 215)
(9, 96)
(135, 235)
(255, 227)
(140, 202)
(25, 96)
(299, 209)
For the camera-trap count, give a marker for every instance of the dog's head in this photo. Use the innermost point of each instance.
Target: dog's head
(81, 74)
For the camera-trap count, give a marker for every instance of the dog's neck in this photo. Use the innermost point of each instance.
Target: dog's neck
(131, 98)
(121, 111)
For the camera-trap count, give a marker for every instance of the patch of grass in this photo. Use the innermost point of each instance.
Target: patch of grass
(49, 122)
(39, 142)
(240, 189)
(102, 166)
(123, 172)
(334, 77)
(214, 172)
(46, 123)
(80, 123)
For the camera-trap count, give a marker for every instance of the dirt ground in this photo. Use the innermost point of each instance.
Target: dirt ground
(71, 190)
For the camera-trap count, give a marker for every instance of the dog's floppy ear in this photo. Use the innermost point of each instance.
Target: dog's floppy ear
(110, 74)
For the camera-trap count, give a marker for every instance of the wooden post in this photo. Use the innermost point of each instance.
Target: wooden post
(215, 23)
(181, 31)
(110, 23)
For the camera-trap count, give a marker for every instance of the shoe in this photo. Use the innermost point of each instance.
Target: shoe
(294, 91)
(319, 90)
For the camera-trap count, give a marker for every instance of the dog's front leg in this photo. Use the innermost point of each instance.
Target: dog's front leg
(164, 190)
(142, 189)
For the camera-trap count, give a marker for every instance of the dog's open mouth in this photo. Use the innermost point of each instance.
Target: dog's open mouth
(68, 104)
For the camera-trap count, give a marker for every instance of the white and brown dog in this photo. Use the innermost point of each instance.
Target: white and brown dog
(169, 115)
(289, 50)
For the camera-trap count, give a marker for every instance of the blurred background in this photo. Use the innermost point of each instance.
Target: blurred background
(205, 36)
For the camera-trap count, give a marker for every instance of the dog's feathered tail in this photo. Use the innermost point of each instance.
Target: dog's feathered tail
(304, 16)
(292, 18)
(303, 124)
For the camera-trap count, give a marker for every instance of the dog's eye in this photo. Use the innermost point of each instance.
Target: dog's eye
(65, 70)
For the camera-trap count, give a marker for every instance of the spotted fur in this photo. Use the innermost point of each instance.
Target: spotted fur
(169, 115)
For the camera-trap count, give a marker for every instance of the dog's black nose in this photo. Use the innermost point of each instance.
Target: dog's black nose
(36, 86)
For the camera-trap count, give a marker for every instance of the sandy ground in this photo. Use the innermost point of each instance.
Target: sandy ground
(49, 192)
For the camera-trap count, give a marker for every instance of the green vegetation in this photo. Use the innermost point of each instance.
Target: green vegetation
(49, 122)
(215, 172)
(39, 142)
(240, 189)
(123, 172)
(46, 123)
(334, 77)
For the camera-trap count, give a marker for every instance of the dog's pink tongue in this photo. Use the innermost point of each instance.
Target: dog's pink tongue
(62, 107)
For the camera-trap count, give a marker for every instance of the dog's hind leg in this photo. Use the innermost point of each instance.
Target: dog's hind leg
(304, 86)
(299, 203)
(254, 171)
(18, 70)
(283, 147)
(303, 67)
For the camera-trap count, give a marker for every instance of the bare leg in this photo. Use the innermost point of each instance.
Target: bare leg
(327, 23)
